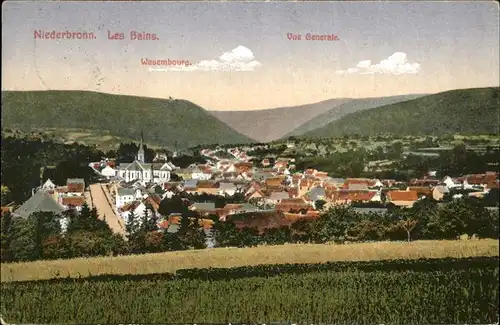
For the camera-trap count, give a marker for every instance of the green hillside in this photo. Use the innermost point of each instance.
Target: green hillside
(343, 109)
(465, 111)
(164, 121)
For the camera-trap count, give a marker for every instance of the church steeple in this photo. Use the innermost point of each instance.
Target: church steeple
(140, 153)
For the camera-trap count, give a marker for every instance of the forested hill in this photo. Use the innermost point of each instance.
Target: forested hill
(464, 111)
(164, 121)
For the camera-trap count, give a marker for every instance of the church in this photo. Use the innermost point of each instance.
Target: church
(140, 170)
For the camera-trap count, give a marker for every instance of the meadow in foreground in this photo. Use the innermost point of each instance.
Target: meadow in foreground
(233, 257)
(436, 291)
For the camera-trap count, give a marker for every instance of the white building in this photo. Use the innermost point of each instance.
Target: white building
(124, 196)
(108, 172)
(48, 185)
(158, 173)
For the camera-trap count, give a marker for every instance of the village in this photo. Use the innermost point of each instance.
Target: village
(272, 195)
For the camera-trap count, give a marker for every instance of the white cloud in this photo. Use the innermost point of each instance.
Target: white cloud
(396, 64)
(239, 59)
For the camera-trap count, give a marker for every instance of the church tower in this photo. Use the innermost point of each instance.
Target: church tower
(140, 153)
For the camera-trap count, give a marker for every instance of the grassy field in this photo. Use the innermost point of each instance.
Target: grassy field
(233, 257)
(429, 291)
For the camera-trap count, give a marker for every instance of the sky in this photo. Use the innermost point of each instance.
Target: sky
(239, 55)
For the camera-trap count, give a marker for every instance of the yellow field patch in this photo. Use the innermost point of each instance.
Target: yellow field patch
(232, 257)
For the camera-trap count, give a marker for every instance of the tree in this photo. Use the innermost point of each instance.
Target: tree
(367, 230)
(424, 211)
(22, 245)
(172, 205)
(225, 234)
(333, 224)
(248, 237)
(277, 236)
(6, 236)
(408, 225)
(5, 192)
(301, 231)
(191, 233)
(46, 224)
(171, 242)
(319, 204)
(85, 220)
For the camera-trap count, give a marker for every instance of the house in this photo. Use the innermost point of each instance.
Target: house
(73, 202)
(310, 172)
(239, 208)
(450, 182)
(257, 194)
(168, 194)
(402, 198)
(479, 180)
(348, 197)
(48, 185)
(201, 173)
(265, 162)
(75, 186)
(276, 197)
(138, 209)
(337, 182)
(361, 184)
(227, 189)
(203, 207)
(439, 192)
(388, 182)
(424, 182)
(124, 196)
(261, 176)
(356, 187)
(108, 172)
(39, 202)
(280, 164)
(317, 193)
(273, 183)
(422, 191)
(190, 185)
(289, 205)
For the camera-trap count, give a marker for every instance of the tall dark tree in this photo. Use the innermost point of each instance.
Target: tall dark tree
(6, 236)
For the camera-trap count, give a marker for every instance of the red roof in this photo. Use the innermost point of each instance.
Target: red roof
(76, 201)
(402, 195)
(354, 195)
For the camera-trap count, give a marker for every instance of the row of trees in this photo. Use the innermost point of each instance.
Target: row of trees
(25, 161)
(40, 235)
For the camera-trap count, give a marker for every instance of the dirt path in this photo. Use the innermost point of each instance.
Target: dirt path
(104, 207)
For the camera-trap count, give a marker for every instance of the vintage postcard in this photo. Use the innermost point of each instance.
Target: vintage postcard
(265, 162)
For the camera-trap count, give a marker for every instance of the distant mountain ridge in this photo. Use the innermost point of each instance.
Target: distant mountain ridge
(466, 111)
(164, 121)
(272, 124)
(349, 107)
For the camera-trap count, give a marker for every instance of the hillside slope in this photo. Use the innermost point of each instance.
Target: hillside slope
(457, 111)
(163, 121)
(272, 124)
(347, 108)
